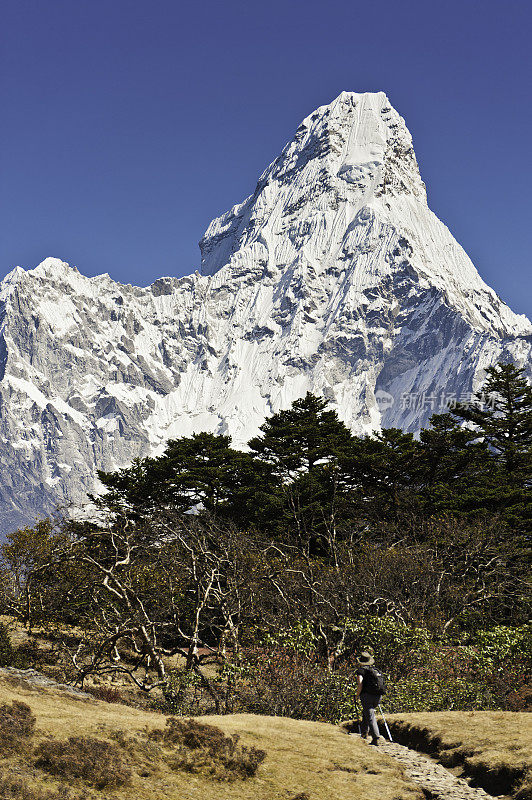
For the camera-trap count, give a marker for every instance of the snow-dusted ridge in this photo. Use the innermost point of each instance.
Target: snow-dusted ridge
(333, 277)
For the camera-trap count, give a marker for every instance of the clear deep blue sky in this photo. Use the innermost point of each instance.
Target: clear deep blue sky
(127, 126)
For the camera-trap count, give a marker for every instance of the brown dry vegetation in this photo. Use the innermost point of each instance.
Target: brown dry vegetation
(303, 758)
(40, 650)
(494, 747)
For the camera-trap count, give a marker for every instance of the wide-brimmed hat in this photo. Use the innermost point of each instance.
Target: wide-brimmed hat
(365, 659)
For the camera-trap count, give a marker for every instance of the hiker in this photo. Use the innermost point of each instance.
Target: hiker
(370, 688)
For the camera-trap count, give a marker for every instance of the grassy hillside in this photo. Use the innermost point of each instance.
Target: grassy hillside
(495, 747)
(303, 759)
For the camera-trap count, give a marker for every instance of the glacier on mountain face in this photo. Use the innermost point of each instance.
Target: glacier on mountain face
(333, 277)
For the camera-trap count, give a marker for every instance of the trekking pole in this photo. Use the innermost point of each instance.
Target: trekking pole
(385, 724)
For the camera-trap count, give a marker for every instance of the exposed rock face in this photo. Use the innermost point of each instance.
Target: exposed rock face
(333, 277)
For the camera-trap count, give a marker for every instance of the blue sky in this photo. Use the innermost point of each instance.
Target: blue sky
(127, 126)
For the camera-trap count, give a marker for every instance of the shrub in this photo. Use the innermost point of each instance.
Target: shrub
(17, 726)
(438, 694)
(93, 761)
(499, 644)
(184, 695)
(106, 693)
(399, 646)
(491, 671)
(228, 764)
(206, 749)
(459, 678)
(520, 699)
(15, 787)
(281, 682)
(7, 655)
(189, 733)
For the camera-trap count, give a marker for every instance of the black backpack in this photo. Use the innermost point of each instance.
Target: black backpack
(373, 681)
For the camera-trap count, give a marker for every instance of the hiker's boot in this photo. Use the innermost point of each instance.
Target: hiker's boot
(375, 741)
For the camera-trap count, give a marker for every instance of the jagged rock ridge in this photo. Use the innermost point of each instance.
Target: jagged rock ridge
(333, 277)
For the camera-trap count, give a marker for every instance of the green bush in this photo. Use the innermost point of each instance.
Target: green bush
(502, 642)
(97, 763)
(492, 671)
(438, 694)
(397, 646)
(300, 638)
(183, 694)
(494, 675)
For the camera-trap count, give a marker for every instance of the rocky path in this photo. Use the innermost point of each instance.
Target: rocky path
(436, 781)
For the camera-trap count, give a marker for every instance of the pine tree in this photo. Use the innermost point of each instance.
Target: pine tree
(299, 451)
(194, 473)
(501, 417)
(502, 414)
(381, 472)
(455, 465)
(297, 439)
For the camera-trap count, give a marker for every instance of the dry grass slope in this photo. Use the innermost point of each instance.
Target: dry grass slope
(495, 747)
(306, 759)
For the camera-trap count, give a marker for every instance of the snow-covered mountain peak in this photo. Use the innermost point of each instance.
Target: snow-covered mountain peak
(360, 135)
(10, 281)
(346, 190)
(52, 267)
(350, 156)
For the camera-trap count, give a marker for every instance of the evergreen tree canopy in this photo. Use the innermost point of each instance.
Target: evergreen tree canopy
(454, 464)
(450, 452)
(299, 438)
(201, 471)
(308, 480)
(500, 420)
(299, 449)
(380, 470)
(502, 415)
